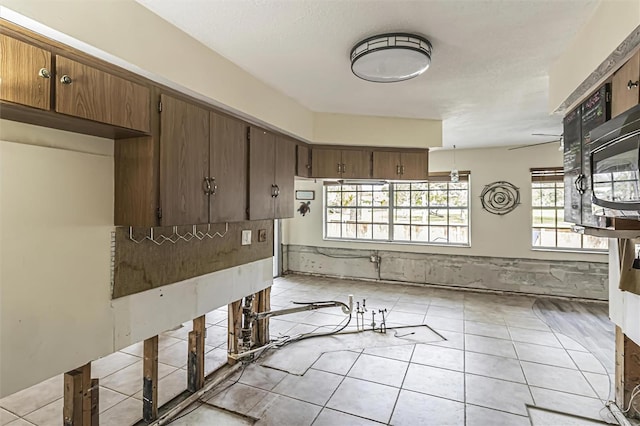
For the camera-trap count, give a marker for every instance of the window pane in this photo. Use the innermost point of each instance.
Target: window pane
(419, 198)
(459, 185)
(380, 198)
(458, 217)
(438, 216)
(333, 230)
(365, 215)
(438, 234)
(459, 234)
(420, 233)
(349, 215)
(548, 197)
(402, 215)
(402, 186)
(545, 237)
(381, 232)
(420, 216)
(560, 196)
(333, 198)
(364, 231)
(349, 230)
(381, 215)
(569, 239)
(458, 198)
(365, 198)
(401, 232)
(402, 199)
(437, 198)
(438, 186)
(348, 198)
(591, 242)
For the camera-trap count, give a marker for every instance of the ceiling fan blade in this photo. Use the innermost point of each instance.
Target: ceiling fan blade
(533, 144)
(546, 134)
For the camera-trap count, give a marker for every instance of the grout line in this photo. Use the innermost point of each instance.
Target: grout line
(402, 383)
(464, 365)
(524, 375)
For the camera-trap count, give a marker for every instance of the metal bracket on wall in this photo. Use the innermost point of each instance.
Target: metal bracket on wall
(176, 236)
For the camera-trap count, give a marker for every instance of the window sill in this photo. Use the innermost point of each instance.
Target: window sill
(401, 243)
(568, 250)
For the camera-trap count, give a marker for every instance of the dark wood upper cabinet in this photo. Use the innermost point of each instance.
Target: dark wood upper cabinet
(184, 163)
(86, 92)
(626, 86)
(227, 169)
(386, 165)
(261, 174)
(303, 161)
(341, 163)
(272, 165)
(284, 177)
(414, 165)
(326, 163)
(25, 73)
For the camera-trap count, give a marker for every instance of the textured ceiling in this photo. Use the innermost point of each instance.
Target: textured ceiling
(488, 79)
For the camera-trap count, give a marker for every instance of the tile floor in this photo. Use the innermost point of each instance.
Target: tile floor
(500, 365)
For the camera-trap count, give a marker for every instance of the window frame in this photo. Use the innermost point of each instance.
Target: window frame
(391, 208)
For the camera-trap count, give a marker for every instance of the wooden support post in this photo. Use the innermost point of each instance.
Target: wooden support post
(78, 397)
(150, 380)
(95, 402)
(72, 409)
(264, 304)
(627, 373)
(234, 329)
(195, 360)
(620, 368)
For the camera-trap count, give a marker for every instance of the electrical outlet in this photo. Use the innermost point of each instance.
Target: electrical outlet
(246, 237)
(262, 235)
(373, 258)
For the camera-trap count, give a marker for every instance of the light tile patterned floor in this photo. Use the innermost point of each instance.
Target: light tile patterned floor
(499, 357)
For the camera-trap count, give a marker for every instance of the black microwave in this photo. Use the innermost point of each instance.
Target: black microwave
(615, 166)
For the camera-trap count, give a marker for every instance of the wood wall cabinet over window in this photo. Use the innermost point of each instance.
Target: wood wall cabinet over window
(341, 163)
(184, 163)
(25, 73)
(626, 86)
(271, 175)
(86, 92)
(397, 165)
(227, 169)
(303, 161)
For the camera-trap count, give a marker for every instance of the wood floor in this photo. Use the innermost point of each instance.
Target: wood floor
(587, 323)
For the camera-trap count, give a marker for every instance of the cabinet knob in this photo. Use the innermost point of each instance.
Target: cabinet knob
(632, 84)
(44, 73)
(206, 186)
(214, 186)
(65, 79)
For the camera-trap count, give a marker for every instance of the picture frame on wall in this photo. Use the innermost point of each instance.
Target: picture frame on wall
(305, 195)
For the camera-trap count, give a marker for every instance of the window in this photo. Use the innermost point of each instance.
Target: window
(435, 212)
(549, 230)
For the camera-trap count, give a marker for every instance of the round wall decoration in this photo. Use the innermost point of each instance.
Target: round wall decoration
(500, 197)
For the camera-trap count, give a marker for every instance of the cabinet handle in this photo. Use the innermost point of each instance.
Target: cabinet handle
(277, 191)
(214, 186)
(339, 168)
(632, 84)
(206, 186)
(398, 169)
(344, 168)
(44, 73)
(402, 169)
(65, 79)
(273, 191)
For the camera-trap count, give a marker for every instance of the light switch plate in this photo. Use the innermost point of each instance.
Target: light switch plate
(246, 237)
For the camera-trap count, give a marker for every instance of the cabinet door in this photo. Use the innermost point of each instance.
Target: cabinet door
(284, 174)
(261, 174)
(21, 81)
(85, 92)
(326, 163)
(415, 165)
(386, 165)
(303, 161)
(572, 166)
(184, 162)
(622, 96)
(356, 164)
(228, 169)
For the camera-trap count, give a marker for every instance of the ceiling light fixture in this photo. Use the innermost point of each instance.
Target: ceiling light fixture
(388, 58)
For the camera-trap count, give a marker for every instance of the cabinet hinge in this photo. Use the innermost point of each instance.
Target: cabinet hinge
(608, 97)
(159, 106)
(248, 134)
(159, 212)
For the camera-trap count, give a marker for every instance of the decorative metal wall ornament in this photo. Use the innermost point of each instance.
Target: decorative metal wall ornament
(304, 208)
(500, 197)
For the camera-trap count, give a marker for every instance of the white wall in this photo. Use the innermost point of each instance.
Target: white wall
(56, 220)
(623, 306)
(500, 236)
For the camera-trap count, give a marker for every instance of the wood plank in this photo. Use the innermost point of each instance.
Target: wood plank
(184, 162)
(623, 98)
(619, 374)
(303, 160)
(326, 163)
(20, 82)
(415, 165)
(95, 402)
(631, 375)
(150, 380)
(136, 182)
(140, 267)
(261, 174)
(72, 400)
(386, 165)
(356, 164)
(86, 393)
(130, 104)
(262, 326)
(234, 329)
(284, 178)
(228, 167)
(195, 359)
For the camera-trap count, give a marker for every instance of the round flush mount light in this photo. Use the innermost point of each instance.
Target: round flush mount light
(388, 58)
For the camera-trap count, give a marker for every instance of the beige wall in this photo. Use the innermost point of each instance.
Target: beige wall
(56, 219)
(491, 235)
(609, 25)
